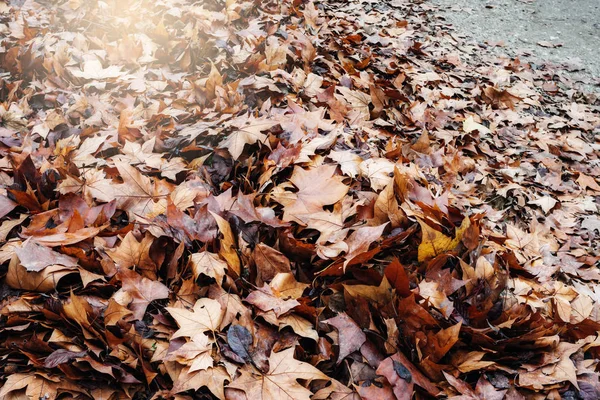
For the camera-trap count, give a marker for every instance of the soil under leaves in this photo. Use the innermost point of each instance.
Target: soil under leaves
(288, 200)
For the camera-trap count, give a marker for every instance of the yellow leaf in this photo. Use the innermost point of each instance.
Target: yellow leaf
(227, 250)
(435, 242)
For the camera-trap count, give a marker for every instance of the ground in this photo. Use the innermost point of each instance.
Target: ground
(517, 26)
(291, 200)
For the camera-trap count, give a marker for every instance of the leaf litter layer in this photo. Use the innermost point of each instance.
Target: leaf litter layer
(288, 200)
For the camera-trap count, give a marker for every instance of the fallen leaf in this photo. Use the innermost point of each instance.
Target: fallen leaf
(351, 336)
(280, 381)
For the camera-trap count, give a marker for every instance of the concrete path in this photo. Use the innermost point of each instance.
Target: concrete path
(561, 32)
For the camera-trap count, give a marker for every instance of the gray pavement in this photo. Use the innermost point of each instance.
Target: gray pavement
(565, 33)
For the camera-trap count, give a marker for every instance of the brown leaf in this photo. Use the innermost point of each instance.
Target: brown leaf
(142, 291)
(269, 262)
(35, 257)
(133, 253)
(212, 378)
(208, 264)
(351, 336)
(396, 275)
(43, 281)
(265, 299)
(280, 381)
(227, 250)
(317, 187)
(205, 316)
(398, 376)
(6, 205)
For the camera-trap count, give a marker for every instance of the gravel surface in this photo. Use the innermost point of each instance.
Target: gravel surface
(564, 34)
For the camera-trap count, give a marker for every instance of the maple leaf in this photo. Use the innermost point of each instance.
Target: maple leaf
(137, 194)
(357, 100)
(35, 257)
(208, 264)
(435, 242)
(269, 262)
(351, 336)
(212, 378)
(206, 315)
(92, 69)
(45, 280)
(196, 353)
(317, 187)
(280, 382)
(266, 299)
(142, 291)
(246, 131)
(132, 253)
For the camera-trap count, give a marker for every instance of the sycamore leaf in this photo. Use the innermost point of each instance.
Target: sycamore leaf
(265, 299)
(93, 185)
(35, 257)
(280, 382)
(547, 203)
(269, 262)
(469, 125)
(132, 252)
(435, 242)
(227, 250)
(6, 205)
(357, 100)
(196, 353)
(9, 225)
(359, 242)
(432, 293)
(378, 171)
(67, 238)
(349, 161)
(136, 195)
(381, 294)
(16, 382)
(351, 336)
(142, 291)
(317, 187)
(209, 264)
(246, 132)
(45, 280)
(92, 69)
(212, 378)
(336, 391)
(205, 316)
(284, 285)
(399, 376)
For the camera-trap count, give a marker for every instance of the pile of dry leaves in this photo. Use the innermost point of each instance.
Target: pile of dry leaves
(288, 200)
